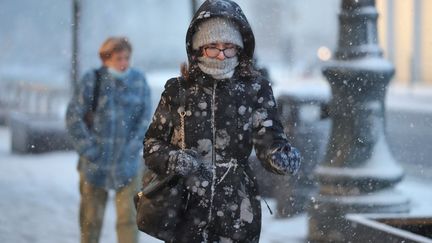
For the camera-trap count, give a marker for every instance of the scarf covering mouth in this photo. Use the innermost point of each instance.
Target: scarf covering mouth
(118, 74)
(218, 69)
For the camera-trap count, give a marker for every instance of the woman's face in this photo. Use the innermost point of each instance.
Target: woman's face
(119, 61)
(220, 50)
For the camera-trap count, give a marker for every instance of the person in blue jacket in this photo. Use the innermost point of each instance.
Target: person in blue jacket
(107, 118)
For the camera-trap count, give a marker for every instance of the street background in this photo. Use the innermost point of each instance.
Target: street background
(39, 192)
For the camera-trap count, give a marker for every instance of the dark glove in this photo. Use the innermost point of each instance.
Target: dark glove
(199, 182)
(285, 160)
(183, 162)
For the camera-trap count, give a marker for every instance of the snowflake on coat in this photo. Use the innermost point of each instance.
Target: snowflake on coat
(204, 14)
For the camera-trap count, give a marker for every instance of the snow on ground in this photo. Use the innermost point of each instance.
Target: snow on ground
(39, 202)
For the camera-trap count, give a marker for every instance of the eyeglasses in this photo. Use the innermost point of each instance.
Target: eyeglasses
(212, 51)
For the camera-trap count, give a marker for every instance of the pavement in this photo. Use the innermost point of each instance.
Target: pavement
(39, 202)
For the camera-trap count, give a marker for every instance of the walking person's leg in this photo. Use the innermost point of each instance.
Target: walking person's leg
(92, 209)
(127, 230)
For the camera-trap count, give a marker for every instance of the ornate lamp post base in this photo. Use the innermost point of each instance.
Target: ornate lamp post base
(358, 173)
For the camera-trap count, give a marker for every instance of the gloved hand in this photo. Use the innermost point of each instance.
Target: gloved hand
(183, 162)
(199, 182)
(285, 160)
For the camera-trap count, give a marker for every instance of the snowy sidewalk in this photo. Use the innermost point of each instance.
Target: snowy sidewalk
(39, 202)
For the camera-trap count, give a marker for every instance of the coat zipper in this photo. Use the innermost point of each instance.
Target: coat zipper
(213, 185)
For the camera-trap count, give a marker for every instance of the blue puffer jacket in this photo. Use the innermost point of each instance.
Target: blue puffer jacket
(110, 149)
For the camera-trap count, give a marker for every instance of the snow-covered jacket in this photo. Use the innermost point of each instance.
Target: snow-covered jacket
(224, 120)
(110, 149)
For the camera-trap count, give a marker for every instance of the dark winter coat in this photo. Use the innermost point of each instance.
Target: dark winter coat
(224, 120)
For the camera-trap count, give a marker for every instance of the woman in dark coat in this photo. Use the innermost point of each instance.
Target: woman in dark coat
(229, 109)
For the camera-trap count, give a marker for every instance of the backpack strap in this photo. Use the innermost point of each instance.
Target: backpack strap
(89, 115)
(96, 89)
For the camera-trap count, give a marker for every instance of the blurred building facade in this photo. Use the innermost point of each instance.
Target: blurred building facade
(405, 32)
(296, 35)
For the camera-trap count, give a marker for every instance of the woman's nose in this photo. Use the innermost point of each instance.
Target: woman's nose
(221, 56)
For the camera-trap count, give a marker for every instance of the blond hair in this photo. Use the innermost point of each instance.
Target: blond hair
(114, 44)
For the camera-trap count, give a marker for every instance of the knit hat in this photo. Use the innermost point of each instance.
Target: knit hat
(216, 30)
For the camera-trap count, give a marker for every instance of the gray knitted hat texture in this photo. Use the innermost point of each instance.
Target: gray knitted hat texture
(216, 30)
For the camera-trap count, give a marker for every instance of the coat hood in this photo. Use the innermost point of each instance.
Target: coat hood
(222, 9)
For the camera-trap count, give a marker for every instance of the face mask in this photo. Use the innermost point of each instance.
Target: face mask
(117, 74)
(218, 69)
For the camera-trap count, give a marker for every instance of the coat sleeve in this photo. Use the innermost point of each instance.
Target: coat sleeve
(80, 103)
(142, 119)
(157, 141)
(268, 134)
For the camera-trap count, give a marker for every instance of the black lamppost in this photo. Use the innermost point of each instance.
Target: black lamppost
(358, 173)
(76, 12)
